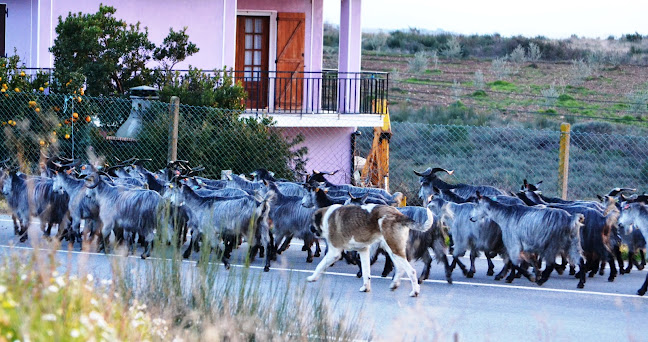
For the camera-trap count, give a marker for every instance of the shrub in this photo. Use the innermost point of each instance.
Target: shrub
(500, 68)
(374, 41)
(550, 96)
(478, 80)
(533, 53)
(579, 72)
(518, 55)
(456, 91)
(452, 48)
(418, 63)
(638, 100)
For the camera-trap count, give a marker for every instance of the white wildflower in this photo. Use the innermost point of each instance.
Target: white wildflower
(75, 333)
(52, 288)
(89, 277)
(3, 289)
(94, 302)
(49, 317)
(95, 316)
(60, 281)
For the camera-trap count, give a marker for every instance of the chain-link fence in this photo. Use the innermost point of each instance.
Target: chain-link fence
(504, 157)
(85, 127)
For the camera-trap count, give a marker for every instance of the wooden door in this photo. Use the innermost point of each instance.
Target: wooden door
(291, 34)
(252, 47)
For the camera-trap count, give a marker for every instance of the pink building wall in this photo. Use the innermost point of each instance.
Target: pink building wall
(329, 149)
(213, 32)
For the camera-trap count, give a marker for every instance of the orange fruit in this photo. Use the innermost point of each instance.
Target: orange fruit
(17, 90)
(42, 143)
(41, 89)
(67, 136)
(22, 73)
(88, 119)
(37, 110)
(75, 115)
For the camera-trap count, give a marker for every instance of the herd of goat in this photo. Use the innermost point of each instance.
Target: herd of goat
(134, 205)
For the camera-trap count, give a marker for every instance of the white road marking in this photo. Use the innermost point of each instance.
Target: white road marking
(351, 275)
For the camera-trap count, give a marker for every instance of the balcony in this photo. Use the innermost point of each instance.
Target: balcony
(316, 99)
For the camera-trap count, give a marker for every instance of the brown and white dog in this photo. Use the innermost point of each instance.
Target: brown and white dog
(353, 227)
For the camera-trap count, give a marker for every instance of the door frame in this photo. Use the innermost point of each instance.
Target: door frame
(272, 47)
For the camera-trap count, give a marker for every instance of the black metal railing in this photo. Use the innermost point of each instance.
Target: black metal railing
(328, 91)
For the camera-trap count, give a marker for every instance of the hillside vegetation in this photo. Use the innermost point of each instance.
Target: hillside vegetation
(498, 81)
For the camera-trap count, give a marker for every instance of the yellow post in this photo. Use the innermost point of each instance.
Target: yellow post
(563, 164)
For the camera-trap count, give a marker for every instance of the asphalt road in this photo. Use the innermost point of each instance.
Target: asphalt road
(477, 309)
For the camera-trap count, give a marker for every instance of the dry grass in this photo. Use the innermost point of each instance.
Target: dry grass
(159, 300)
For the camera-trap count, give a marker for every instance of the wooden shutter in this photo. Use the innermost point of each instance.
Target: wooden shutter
(291, 36)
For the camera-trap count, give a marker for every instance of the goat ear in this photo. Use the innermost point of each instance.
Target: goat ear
(478, 195)
(436, 190)
(326, 190)
(600, 198)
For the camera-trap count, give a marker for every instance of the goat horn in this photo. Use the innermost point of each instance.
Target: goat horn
(438, 169)
(425, 173)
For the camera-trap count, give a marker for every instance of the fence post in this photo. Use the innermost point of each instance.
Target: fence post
(563, 164)
(174, 113)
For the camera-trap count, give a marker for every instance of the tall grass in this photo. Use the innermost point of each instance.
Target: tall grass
(161, 299)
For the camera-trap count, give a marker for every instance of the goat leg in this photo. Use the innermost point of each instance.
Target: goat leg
(16, 225)
(617, 254)
(318, 249)
(581, 268)
(286, 244)
(268, 257)
(389, 265)
(504, 271)
(613, 269)
(511, 276)
(644, 287)
(593, 267)
(473, 255)
(563, 264)
(642, 254)
(546, 273)
(425, 274)
(457, 262)
(491, 266)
